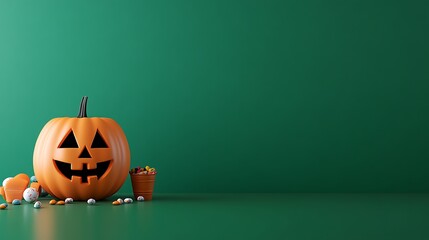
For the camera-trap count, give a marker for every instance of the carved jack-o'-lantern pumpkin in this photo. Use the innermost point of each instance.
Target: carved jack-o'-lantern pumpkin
(81, 157)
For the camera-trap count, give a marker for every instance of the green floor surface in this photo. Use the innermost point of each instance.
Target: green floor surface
(226, 216)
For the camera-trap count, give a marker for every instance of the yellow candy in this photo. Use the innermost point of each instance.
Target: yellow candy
(147, 168)
(152, 170)
(3, 206)
(52, 202)
(116, 203)
(61, 203)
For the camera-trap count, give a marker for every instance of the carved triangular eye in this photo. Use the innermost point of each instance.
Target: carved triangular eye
(98, 141)
(69, 141)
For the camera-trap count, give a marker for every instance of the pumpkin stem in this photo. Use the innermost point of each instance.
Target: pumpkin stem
(82, 109)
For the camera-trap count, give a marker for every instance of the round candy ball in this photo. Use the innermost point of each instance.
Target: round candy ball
(91, 201)
(68, 200)
(30, 195)
(140, 198)
(5, 181)
(128, 200)
(120, 201)
(33, 179)
(37, 204)
(3, 206)
(16, 202)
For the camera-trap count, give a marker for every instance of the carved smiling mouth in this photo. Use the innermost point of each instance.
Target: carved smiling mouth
(65, 169)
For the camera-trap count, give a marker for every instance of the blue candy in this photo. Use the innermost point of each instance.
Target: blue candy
(33, 179)
(16, 202)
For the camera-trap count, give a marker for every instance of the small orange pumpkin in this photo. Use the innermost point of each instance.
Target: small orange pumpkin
(81, 157)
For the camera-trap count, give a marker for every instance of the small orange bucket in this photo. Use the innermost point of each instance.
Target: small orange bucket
(143, 185)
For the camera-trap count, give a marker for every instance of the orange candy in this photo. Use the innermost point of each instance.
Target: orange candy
(15, 187)
(2, 193)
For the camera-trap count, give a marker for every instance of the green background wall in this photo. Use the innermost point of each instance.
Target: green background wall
(229, 95)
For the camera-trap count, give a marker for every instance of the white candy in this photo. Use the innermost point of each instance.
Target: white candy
(6, 180)
(120, 201)
(128, 200)
(140, 198)
(37, 204)
(91, 201)
(69, 200)
(30, 195)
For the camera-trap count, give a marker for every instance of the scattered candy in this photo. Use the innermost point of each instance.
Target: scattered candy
(60, 203)
(120, 201)
(68, 200)
(91, 201)
(6, 180)
(37, 205)
(52, 202)
(128, 200)
(30, 195)
(3, 206)
(16, 202)
(140, 198)
(33, 179)
(116, 203)
(36, 186)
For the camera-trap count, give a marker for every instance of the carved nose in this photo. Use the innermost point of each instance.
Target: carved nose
(85, 153)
